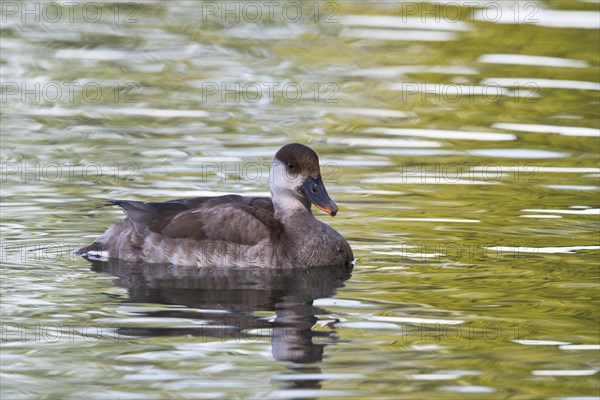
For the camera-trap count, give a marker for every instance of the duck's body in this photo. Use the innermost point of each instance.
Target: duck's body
(234, 230)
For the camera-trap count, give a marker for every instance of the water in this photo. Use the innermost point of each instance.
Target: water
(463, 155)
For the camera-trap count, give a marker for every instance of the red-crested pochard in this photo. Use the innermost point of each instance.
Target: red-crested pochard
(232, 230)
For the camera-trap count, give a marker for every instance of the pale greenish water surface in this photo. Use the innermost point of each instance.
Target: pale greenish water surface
(461, 143)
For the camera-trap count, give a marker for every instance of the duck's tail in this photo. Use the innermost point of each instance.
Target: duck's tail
(94, 251)
(97, 249)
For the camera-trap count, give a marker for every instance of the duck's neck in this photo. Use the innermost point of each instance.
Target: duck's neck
(288, 204)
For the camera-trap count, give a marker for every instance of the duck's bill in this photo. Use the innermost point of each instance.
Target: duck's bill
(315, 192)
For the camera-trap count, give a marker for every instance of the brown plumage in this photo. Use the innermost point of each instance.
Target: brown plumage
(234, 230)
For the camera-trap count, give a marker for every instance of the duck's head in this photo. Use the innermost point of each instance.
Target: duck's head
(296, 179)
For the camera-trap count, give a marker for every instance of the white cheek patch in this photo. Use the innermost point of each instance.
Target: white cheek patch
(281, 178)
(284, 189)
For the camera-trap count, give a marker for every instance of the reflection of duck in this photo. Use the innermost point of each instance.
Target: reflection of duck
(238, 292)
(233, 230)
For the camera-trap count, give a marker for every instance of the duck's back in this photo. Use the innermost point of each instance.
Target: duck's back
(202, 231)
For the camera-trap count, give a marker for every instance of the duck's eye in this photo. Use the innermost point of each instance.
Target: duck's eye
(291, 165)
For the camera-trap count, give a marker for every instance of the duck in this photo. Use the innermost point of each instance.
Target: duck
(233, 230)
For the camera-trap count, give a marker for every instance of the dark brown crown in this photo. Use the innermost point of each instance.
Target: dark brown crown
(299, 158)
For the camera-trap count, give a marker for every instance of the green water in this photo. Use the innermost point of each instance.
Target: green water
(466, 172)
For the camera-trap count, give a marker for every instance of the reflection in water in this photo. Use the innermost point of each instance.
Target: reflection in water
(239, 293)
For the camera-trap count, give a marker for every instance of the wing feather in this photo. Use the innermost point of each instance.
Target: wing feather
(232, 218)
